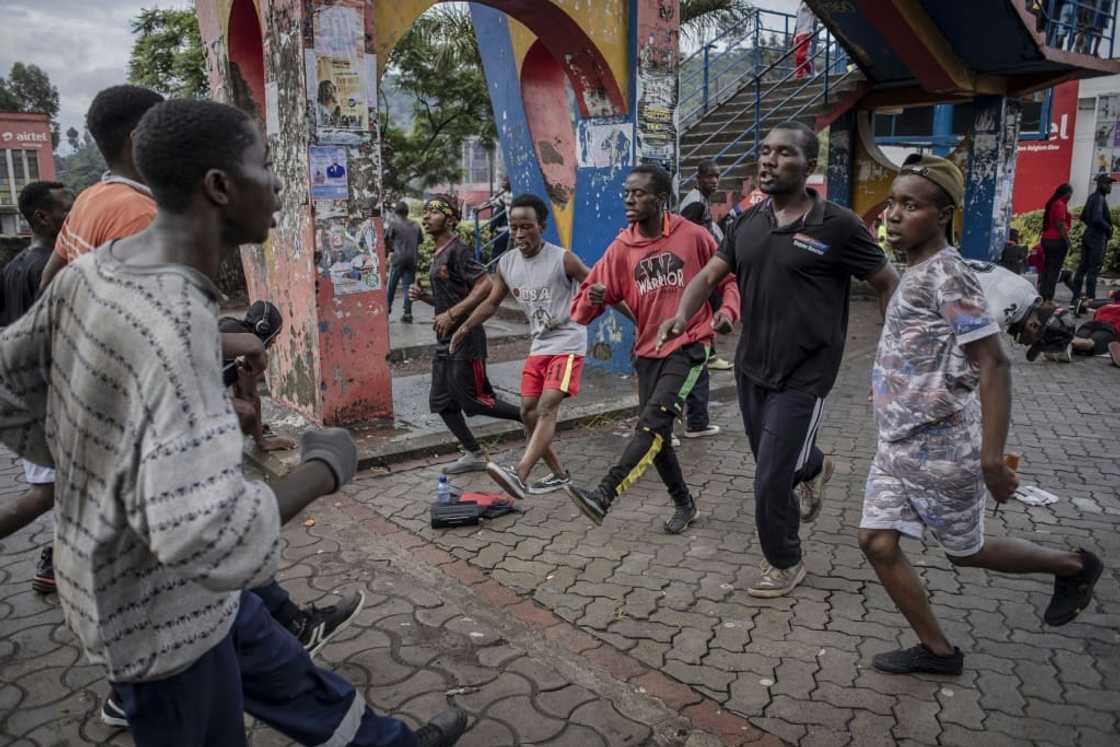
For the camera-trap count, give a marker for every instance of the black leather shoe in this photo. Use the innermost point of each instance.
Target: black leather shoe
(443, 730)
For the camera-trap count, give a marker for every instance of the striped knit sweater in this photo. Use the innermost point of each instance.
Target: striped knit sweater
(114, 377)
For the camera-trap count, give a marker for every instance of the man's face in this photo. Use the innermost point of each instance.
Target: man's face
(525, 229)
(435, 221)
(912, 215)
(708, 182)
(50, 219)
(640, 201)
(782, 166)
(1031, 330)
(255, 200)
(1104, 186)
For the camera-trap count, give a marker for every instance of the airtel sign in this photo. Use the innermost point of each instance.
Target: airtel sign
(1044, 164)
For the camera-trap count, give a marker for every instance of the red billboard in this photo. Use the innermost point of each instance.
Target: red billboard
(1044, 164)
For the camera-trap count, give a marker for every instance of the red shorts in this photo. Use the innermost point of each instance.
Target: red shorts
(559, 372)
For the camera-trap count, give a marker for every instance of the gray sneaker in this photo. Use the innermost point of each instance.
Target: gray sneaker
(777, 582)
(811, 492)
(507, 479)
(550, 483)
(469, 462)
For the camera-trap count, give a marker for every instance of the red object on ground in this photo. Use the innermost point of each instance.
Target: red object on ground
(1109, 314)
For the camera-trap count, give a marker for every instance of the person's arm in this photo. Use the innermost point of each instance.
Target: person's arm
(576, 270)
(25, 355)
(596, 292)
(245, 345)
(18, 512)
(1063, 223)
(694, 211)
(862, 257)
(995, 403)
(54, 266)
(485, 310)
(884, 281)
(696, 294)
(416, 293)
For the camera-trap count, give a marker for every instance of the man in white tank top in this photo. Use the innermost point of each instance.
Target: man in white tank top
(543, 278)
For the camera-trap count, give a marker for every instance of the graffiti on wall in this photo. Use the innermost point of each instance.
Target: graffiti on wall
(655, 115)
(605, 144)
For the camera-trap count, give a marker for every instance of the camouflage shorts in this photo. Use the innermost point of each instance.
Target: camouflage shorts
(932, 479)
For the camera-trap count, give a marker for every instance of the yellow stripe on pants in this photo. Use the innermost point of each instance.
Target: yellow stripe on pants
(567, 380)
(642, 465)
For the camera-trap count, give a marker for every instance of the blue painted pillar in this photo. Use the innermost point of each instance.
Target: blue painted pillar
(990, 176)
(942, 129)
(841, 144)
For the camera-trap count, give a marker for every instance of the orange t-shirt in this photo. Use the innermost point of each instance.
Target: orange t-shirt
(111, 209)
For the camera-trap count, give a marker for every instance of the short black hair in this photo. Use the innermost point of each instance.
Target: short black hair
(37, 196)
(114, 114)
(662, 181)
(1012, 234)
(809, 144)
(707, 166)
(531, 200)
(178, 141)
(401, 209)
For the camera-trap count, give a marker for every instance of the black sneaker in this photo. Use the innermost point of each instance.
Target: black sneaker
(317, 625)
(592, 503)
(507, 479)
(406, 319)
(681, 518)
(548, 484)
(112, 713)
(1072, 594)
(918, 659)
(43, 582)
(443, 730)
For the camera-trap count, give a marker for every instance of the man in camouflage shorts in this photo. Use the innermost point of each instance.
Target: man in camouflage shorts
(940, 446)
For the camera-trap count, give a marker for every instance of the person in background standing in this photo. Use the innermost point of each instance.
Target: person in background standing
(802, 34)
(1014, 255)
(1056, 221)
(1098, 230)
(402, 239)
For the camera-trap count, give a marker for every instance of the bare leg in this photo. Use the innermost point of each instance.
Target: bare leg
(1008, 555)
(540, 415)
(905, 588)
(1083, 344)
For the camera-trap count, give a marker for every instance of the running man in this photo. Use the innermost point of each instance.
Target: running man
(459, 382)
(159, 532)
(941, 448)
(544, 279)
(648, 267)
(793, 256)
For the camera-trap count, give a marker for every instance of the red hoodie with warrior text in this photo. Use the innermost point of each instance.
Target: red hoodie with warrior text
(650, 275)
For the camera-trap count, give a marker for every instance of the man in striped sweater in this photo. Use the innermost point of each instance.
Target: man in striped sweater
(114, 377)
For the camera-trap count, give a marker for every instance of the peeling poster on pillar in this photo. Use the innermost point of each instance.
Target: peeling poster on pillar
(336, 75)
(348, 255)
(605, 144)
(329, 172)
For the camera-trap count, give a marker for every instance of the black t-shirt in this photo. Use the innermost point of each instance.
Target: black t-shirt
(21, 282)
(453, 274)
(794, 282)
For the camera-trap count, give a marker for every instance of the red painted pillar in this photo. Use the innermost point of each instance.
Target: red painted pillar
(307, 70)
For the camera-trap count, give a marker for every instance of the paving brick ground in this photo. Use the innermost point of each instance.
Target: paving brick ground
(564, 634)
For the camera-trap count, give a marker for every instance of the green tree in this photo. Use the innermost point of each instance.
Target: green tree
(437, 64)
(82, 167)
(702, 20)
(168, 56)
(28, 89)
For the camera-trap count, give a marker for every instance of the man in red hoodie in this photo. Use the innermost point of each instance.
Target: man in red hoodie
(648, 267)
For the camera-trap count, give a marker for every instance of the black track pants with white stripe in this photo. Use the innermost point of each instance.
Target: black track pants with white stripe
(782, 428)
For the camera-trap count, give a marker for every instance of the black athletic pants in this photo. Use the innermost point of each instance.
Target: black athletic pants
(460, 385)
(1092, 257)
(663, 385)
(782, 429)
(1054, 251)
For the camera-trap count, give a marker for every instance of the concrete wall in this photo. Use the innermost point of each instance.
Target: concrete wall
(1082, 168)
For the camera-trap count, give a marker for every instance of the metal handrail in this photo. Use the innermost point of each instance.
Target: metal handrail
(758, 78)
(754, 129)
(1072, 31)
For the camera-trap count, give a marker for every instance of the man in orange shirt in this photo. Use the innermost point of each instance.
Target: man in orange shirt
(120, 204)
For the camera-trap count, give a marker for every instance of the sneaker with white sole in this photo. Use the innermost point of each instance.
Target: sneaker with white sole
(683, 515)
(777, 582)
(508, 480)
(551, 483)
(112, 713)
(811, 492)
(316, 626)
(711, 430)
(674, 441)
(470, 461)
(715, 363)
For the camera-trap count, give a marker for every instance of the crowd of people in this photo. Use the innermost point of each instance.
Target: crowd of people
(128, 398)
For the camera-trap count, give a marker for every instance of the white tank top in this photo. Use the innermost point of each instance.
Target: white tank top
(545, 292)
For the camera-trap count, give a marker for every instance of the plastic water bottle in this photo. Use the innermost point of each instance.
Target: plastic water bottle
(443, 490)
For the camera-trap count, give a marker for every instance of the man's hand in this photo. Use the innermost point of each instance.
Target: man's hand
(669, 329)
(254, 364)
(443, 324)
(415, 292)
(721, 323)
(1001, 481)
(275, 443)
(597, 294)
(457, 339)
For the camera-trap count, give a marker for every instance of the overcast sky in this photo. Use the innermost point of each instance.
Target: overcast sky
(84, 44)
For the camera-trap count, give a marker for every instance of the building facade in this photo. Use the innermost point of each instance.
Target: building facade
(26, 155)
